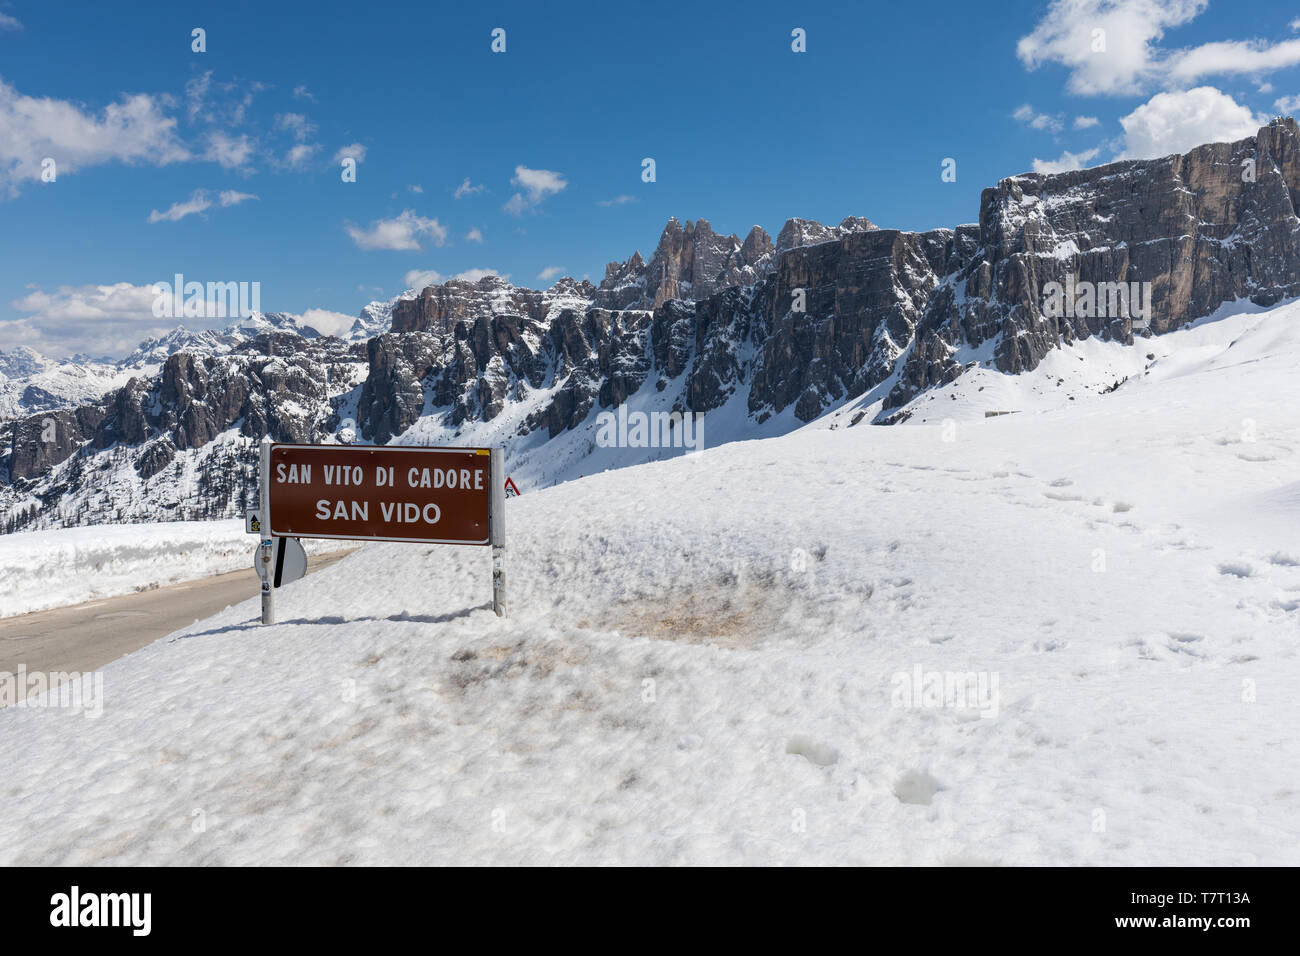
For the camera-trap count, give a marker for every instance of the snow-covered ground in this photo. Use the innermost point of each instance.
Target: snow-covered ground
(710, 659)
(56, 568)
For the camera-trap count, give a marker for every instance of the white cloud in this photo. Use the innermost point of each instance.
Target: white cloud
(550, 272)
(420, 278)
(465, 189)
(1288, 104)
(1086, 122)
(1230, 57)
(537, 184)
(326, 322)
(231, 152)
(402, 233)
(196, 91)
(301, 129)
(1068, 162)
(9, 23)
(355, 151)
(132, 130)
(229, 197)
(111, 320)
(1035, 120)
(195, 205)
(117, 301)
(622, 200)
(100, 320)
(1130, 29)
(473, 275)
(1176, 122)
(474, 235)
(296, 124)
(300, 155)
(416, 188)
(1113, 46)
(230, 108)
(198, 203)
(302, 93)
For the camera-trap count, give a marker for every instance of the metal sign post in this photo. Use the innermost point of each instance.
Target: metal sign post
(497, 531)
(268, 543)
(419, 494)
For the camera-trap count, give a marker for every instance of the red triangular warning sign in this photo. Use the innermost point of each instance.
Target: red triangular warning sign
(511, 490)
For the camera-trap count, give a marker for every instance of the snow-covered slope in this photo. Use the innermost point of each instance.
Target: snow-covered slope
(709, 659)
(1085, 372)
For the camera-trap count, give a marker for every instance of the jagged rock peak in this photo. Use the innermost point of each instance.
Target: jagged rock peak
(757, 244)
(810, 232)
(690, 262)
(615, 271)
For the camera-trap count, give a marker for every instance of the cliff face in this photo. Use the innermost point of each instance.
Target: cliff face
(1194, 226)
(863, 295)
(823, 315)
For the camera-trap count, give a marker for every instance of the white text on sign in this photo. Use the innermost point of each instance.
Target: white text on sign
(342, 475)
(407, 512)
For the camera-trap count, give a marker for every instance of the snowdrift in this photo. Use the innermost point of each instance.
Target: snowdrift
(55, 568)
(59, 567)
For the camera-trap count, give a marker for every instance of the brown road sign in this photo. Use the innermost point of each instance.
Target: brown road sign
(381, 493)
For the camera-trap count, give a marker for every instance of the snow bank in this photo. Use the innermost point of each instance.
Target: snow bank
(46, 569)
(732, 658)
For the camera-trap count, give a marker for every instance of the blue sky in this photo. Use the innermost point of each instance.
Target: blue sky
(224, 165)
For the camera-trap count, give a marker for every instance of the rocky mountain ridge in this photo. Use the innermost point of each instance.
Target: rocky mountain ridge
(781, 332)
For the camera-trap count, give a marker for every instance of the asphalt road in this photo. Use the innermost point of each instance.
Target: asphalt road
(87, 636)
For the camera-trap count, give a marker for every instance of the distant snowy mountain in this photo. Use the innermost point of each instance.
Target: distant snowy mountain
(32, 383)
(152, 352)
(22, 362)
(376, 318)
